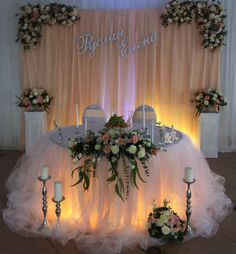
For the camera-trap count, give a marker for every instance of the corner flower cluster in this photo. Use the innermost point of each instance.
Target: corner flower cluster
(34, 97)
(164, 223)
(32, 17)
(209, 16)
(132, 148)
(208, 97)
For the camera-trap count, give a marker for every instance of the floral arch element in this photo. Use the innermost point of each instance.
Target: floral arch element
(209, 15)
(32, 17)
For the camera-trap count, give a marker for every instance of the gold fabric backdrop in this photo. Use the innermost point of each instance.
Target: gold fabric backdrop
(163, 75)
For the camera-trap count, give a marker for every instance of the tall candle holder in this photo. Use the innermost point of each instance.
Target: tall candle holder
(58, 211)
(188, 231)
(44, 206)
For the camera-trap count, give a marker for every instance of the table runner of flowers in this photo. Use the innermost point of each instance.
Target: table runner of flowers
(132, 147)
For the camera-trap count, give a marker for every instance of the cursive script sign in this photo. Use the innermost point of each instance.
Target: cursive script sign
(86, 43)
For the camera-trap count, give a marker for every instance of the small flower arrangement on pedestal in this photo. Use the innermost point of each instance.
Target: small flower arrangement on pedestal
(164, 223)
(34, 99)
(208, 100)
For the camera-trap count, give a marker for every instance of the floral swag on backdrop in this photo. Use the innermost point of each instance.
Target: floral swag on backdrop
(209, 16)
(208, 100)
(34, 99)
(132, 147)
(32, 17)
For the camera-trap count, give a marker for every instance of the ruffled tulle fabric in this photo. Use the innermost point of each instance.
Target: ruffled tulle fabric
(97, 219)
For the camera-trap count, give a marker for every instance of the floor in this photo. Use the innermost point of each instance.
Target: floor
(223, 242)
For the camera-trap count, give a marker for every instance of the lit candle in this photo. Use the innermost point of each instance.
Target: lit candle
(188, 174)
(85, 124)
(58, 191)
(153, 128)
(77, 115)
(44, 173)
(144, 125)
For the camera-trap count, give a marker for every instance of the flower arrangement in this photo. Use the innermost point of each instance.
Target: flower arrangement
(132, 148)
(32, 17)
(164, 223)
(209, 16)
(207, 98)
(116, 122)
(34, 98)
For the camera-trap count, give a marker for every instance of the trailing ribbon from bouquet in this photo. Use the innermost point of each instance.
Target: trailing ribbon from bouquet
(132, 147)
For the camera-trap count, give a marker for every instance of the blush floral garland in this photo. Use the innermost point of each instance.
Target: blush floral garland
(32, 17)
(209, 16)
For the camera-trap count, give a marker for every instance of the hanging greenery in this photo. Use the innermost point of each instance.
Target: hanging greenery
(209, 16)
(32, 17)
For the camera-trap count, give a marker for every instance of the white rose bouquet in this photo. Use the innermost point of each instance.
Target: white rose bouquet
(34, 99)
(164, 223)
(133, 148)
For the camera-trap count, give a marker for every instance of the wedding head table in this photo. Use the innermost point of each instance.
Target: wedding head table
(97, 219)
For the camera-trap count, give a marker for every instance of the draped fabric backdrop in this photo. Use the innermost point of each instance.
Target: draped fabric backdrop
(164, 75)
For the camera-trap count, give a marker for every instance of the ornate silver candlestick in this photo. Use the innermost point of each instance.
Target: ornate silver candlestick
(58, 210)
(44, 207)
(188, 231)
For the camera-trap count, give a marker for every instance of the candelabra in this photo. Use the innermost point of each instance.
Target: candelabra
(58, 211)
(188, 231)
(44, 207)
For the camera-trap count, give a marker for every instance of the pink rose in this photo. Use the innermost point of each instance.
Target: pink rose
(121, 141)
(106, 149)
(134, 139)
(106, 137)
(26, 102)
(39, 99)
(207, 98)
(155, 151)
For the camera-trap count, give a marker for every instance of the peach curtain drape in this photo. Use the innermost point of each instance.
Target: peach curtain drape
(163, 75)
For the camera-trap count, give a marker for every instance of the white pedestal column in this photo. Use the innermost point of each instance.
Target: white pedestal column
(209, 134)
(35, 127)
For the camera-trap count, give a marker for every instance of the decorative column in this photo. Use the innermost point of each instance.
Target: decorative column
(209, 134)
(35, 127)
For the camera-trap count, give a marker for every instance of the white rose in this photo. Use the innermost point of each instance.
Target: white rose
(169, 20)
(165, 230)
(206, 103)
(35, 92)
(132, 149)
(115, 149)
(80, 155)
(214, 98)
(159, 223)
(75, 160)
(141, 153)
(34, 101)
(47, 98)
(113, 159)
(97, 146)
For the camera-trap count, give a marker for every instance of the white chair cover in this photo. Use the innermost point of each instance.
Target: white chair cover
(95, 117)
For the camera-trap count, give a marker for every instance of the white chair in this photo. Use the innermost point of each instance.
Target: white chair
(150, 116)
(95, 117)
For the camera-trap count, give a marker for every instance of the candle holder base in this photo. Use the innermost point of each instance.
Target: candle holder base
(58, 211)
(44, 206)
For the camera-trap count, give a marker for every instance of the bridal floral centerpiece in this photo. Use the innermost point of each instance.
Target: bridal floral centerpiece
(208, 100)
(131, 149)
(164, 223)
(34, 99)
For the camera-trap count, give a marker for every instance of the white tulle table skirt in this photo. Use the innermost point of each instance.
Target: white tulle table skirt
(97, 219)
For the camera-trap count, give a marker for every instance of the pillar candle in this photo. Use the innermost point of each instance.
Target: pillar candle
(44, 172)
(188, 174)
(85, 124)
(58, 191)
(77, 115)
(153, 128)
(144, 125)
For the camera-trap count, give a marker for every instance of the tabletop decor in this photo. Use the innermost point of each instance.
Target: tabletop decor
(209, 16)
(32, 17)
(208, 100)
(34, 99)
(132, 147)
(164, 223)
(116, 122)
